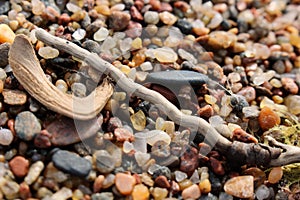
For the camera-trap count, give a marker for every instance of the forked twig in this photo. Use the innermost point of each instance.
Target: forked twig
(238, 152)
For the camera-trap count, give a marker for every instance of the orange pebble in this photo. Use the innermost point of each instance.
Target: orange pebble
(275, 175)
(268, 118)
(7, 35)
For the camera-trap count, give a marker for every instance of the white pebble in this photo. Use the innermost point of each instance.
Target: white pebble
(79, 34)
(48, 52)
(101, 34)
(146, 66)
(34, 172)
(6, 136)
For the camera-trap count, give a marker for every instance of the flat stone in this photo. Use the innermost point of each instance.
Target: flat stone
(27, 125)
(177, 77)
(124, 183)
(19, 166)
(14, 97)
(71, 163)
(240, 186)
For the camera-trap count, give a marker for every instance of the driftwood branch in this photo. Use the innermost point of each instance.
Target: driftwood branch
(238, 152)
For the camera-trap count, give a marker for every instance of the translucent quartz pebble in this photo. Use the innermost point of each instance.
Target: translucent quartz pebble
(138, 120)
(146, 66)
(79, 34)
(165, 55)
(293, 104)
(62, 194)
(180, 176)
(171, 41)
(140, 145)
(101, 34)
(127, 147)
(34, 172)
(215, 21)
(262, 192)
(153, 136)
(38, 7)
(108, 44)
(142, 158)
(6, 136)
(125, 44)
(48, 52)
(72, 7)
(187, 56)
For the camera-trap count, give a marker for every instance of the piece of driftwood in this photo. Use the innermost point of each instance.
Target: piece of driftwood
(274, 154)
(29, 73)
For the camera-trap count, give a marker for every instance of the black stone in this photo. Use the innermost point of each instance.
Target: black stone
(177, 78)
(184, 26)
(71, 163)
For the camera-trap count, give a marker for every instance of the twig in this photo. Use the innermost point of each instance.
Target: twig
(238, 152)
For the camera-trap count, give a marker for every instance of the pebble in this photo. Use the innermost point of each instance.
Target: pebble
(221, 39)
(262, 192)
(138, 120)
(151, 17)
(167, 18)
(159, 193)
(4, 49)
(9, 188)
(78, 89)
(6, 137)
(165, 55)
(27, 126)
(153, 136)
(192, 192)
(275, 175)
(79, 34)
(162, 181)
(52, 172)
(98, 183)
(268, 118)
(258, 175)
(289, 85)
(140, 192)
(14, 97)
(215, 21)
(292, 102)
(34, 172)
(71, 163)
(184, 26)
(118, 20)
(123, 134)
(48, 52)
(189, 160)
(7, 35)
(108, 181)
(19, 166)
(104, 162)
(180, 176)
(125, 183)
(101, 34)
(63, 194)
(103, 196)
(240, 186)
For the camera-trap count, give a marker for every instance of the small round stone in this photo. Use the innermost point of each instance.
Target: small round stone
(78, 89)
(7, 35)
(167, 18)
(19, 166)
(140, 192)
(268, 118)
(192, 192)
(138, 120)
(240, 186)
(125, 183)
(118, 20)
(71, 163)
(34, 172)
(165, 55)
(14, 97)
(27, 125)
(6, 136)
(101, 34)
(151, 17)
(104, 162)
(79, 34)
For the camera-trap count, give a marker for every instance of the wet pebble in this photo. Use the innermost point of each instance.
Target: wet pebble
(27, 125)
(268, 118)
(240, 186)
(275, 175)
(19, 166)
(14, 97)
(71, 163)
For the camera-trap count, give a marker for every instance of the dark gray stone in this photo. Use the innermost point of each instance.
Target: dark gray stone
(71, 163)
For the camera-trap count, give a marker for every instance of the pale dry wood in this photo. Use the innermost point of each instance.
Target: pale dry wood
(238, 152)
(29, 73)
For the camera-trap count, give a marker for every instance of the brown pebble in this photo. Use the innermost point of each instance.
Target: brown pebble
(192, 192)
(124, 183)
(240, 186)
(216, 166)
(164, 6)
(206, 111)
(7, 35)
(182, 5)
(98, 183)
(19, 166)
(162, 181)
(289, 85)
(268, 118)
(258, 175)
(248, 92)
(24, 191)
(42, 140)
(118, 20)
(189, 160)
(275, 175)
(135, 14)
(14, 97)
(241, 135)
(155, 4)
